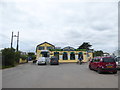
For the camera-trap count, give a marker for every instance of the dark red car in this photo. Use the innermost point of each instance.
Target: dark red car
(103, 64)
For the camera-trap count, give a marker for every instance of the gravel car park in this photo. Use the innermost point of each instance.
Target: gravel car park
(69, 75)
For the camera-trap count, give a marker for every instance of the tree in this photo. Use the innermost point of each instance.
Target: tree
(8, 57)
(85, 45)
(24, 57)
(17, 56)
(31, 55)
(98, 53)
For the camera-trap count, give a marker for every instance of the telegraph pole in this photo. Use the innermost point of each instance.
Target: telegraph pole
(12, 40)
(17, 42)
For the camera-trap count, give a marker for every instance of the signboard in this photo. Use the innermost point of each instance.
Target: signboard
(68, 49)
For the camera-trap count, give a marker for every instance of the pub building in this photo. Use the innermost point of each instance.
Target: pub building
(67, 54)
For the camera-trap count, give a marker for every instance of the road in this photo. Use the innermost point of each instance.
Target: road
(56, 76)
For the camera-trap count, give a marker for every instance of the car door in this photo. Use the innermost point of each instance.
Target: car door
(96, 63)
(92, 63)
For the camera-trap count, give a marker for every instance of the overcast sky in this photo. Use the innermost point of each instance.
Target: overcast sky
(59, 22)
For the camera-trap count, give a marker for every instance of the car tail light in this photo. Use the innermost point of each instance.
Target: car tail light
(101, 60)
(103, 67)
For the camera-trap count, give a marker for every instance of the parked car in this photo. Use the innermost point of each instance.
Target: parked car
(54, 60)
(41, 61)
(117, 59)
(103, 64)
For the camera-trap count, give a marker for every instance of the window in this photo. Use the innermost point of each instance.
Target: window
(56, 54)
(96, 60)
(65, 56)
(72, 56)
(45, 54)
(41, 48)
(49, 48)
(108, 60)
(88, 55)
(80, 54)
(117, 59)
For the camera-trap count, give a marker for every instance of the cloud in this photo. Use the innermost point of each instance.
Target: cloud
(62, 23)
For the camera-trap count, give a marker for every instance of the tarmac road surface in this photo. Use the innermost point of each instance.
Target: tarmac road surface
(56, 76)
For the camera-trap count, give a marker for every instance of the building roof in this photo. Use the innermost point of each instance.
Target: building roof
(47, 43)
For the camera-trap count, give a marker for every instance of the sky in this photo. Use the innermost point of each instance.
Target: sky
(59, 22)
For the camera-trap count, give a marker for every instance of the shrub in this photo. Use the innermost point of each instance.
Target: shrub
(17, 56)
(23, 57)
(33, 57)
(8, 57)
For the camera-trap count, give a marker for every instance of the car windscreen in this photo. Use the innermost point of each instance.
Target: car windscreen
(41, 59)
(108, 60)
(118, 58)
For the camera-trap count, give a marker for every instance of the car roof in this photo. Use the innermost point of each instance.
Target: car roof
(41, 58)
(117, 57)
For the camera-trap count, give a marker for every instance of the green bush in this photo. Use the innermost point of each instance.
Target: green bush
(31, 53)
(23, 57)
(17, 56)
(8, 57)
(33, 57)
(98, 53)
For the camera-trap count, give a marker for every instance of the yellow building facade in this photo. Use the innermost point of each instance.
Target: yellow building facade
(21, 61)
(67, 54)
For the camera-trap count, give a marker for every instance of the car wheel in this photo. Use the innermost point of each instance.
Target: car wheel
(90, 67)
(99, 71)
(115, 72)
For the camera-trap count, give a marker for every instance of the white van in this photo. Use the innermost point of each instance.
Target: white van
(41, 61)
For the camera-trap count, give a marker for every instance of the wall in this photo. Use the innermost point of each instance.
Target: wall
(85, 58)
(22, 61)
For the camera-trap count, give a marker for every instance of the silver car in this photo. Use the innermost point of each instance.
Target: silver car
(41, 61)
(117, 59)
